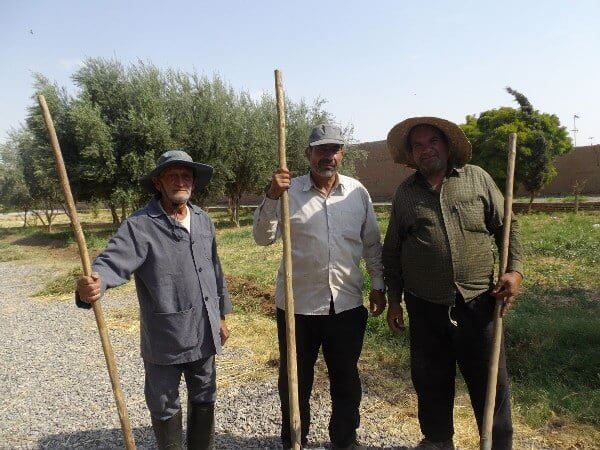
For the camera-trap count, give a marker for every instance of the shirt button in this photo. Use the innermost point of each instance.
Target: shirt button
(199, 269)
(205, 299)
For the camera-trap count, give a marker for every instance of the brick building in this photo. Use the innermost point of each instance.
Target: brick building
(381, 176)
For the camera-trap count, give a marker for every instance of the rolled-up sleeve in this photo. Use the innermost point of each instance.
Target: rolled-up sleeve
(371, 237)
(265, 227)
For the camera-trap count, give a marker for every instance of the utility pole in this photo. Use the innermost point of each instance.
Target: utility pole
(575, 130)
(591, 138)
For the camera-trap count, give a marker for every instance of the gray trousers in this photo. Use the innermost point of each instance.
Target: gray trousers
(162, 385)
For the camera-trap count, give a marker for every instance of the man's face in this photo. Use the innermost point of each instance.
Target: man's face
(175, 183)
(325, 159)
(429, 150)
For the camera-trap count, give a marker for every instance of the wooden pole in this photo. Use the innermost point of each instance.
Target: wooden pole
(290, 322)
(87, 270)
(490, 397)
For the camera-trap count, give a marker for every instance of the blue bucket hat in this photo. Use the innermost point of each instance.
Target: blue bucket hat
(202, 172)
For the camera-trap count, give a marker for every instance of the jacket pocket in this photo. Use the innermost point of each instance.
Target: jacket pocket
(174, 333)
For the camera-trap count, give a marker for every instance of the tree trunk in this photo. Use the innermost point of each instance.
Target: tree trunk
(234, 210)
(123, 212)
(531, 201)
(113, 213)
(576, 203)
(49, 216)
(66, 210)
(38, 216)
(25, 218)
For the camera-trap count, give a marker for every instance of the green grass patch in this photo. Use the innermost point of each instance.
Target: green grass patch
(572, 199)
(61, 285)
(552, 334)
(9, 252)
(563, 235)
(553, 345)
(242, 258)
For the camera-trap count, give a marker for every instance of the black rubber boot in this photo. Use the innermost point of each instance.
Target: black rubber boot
(201, 426)
(169, 433)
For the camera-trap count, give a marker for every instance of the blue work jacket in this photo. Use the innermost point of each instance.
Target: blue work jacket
(180, 285)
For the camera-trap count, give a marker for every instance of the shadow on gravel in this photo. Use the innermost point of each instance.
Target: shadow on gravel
(144, 438)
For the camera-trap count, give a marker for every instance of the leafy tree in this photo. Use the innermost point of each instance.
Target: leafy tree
(14, 193)
(38, 160)
(124, 117)
(540, 139)
(122, 125)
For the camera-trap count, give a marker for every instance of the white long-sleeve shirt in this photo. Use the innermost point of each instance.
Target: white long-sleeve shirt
(329, 236)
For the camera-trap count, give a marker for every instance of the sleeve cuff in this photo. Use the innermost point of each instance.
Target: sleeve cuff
(377, 283)
(394, 295)
(80, 303)
(225, 305)
(269, 205)
(516, 266)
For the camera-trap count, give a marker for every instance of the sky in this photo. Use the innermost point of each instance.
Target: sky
(376, 63)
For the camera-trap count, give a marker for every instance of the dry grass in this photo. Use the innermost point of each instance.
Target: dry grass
(551, 409)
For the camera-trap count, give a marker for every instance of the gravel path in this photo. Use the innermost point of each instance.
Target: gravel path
(56, 393)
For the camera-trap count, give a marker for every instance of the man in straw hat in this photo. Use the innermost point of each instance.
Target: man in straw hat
(169, 245)
(437, 253)
(333, 226)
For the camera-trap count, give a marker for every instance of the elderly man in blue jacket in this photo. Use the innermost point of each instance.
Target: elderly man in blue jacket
(169, 246)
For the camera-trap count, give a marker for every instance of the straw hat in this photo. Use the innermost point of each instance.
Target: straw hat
(397, 140)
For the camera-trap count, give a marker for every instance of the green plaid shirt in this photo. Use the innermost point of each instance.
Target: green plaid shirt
(438, 243)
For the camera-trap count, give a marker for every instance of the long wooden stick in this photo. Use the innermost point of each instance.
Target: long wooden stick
(490, 397)
(290, 321)
(87, 270)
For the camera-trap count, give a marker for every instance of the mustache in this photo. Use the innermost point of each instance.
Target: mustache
(329, 162)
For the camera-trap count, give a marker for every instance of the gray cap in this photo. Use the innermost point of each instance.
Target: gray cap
(326, 134)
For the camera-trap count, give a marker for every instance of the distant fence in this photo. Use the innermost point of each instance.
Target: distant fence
(519, 207)
(545, 207)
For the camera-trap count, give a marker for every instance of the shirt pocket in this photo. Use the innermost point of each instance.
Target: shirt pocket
(173, 333)
(471, 215)
(350, 222)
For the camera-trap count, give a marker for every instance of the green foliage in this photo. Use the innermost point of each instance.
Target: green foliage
(9, 252)
(124, 117)
(14, 192)
(552, 333)
(574, 198)
(61, 285)
(569, 236)
(540, 139)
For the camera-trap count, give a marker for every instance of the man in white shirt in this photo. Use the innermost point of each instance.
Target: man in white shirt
(333, 226)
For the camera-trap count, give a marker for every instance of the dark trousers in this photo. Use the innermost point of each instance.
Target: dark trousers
(436, 346)
(162, 385)
(341, 336)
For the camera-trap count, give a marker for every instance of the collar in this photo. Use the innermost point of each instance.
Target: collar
(155, 209)
(307, 183)
(455, 171)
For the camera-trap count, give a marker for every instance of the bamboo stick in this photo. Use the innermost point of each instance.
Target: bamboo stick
(490, 398)
(290, 329)
(87, 270)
